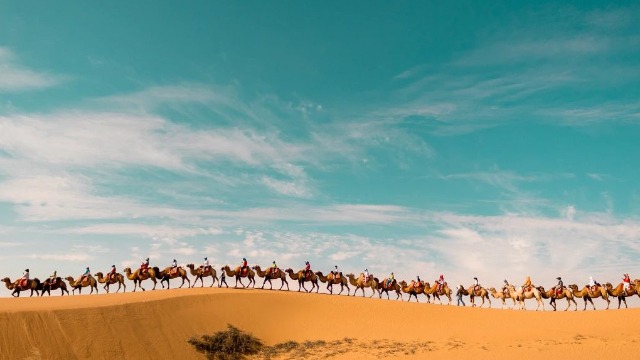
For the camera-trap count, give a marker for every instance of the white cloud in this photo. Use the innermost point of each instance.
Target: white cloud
(19, 78)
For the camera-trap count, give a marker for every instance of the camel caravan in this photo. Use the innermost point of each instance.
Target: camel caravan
(509, 295)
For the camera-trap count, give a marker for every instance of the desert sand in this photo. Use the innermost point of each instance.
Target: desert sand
(157, 324)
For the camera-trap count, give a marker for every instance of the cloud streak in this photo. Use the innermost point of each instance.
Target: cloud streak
(17, 78)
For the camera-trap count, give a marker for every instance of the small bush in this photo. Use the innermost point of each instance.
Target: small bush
(231, 344)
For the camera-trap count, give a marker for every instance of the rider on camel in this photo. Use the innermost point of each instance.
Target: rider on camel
(336, 273)
(559, 287)
(391, 279)
(626, 281)
(205, 265)
(307, 269)
(274, 268)
(112, 272)
(24, 280)
(86, 274)
(174, 267)
(476, 284)
(527, 284)
(505, 287)
(144, 267)
(593, 284)
(244, 265)
(366, 275)
(53, 277)
(440, 283)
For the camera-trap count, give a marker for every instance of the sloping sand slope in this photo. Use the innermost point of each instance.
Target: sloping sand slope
(156, 325)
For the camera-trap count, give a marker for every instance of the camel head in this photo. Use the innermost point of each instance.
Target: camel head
(7, 280)
(127, 270)
(289, 270)
(99, 274)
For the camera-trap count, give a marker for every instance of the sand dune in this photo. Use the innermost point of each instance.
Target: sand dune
(156, 325)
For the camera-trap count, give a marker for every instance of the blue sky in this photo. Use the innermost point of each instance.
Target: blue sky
(489, 140)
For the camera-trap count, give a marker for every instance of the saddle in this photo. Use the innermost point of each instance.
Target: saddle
(84, 280)
(594, 288)
(559, 291)
(174, 271)
(307, 275)
(337, 275)
(527, 288)
(243, 271)
(274, 272)
(53, 282)
(112, 277)
(440, 287)
(205, 269)
(23, 283)
(144, 270)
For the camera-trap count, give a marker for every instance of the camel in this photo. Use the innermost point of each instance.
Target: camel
(445, 291)
(393, 286)
(414, 289)
(360, 283)
(301, 277)
(502, 296)
(587, 295)
(619, 292)
(521, 295)
(236, 273)
(32, 284)
(201, 273)
(269, 275)
(90, 281)
(553, 295)
(167, 274)
(481, 292)
(330, 279)
(137, 277)
(47, 286)
(118, 279)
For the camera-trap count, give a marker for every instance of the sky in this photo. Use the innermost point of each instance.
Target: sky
(496, 139)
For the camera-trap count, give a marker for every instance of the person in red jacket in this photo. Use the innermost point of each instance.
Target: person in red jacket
(244, 265)
(307, 269)
(626, 281)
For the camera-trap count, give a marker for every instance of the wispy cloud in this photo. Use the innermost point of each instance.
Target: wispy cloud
(16, 77)
(519, 71)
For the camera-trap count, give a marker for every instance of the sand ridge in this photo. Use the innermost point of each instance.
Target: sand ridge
(156, 325)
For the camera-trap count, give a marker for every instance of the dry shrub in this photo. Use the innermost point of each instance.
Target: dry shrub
(231, 344)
